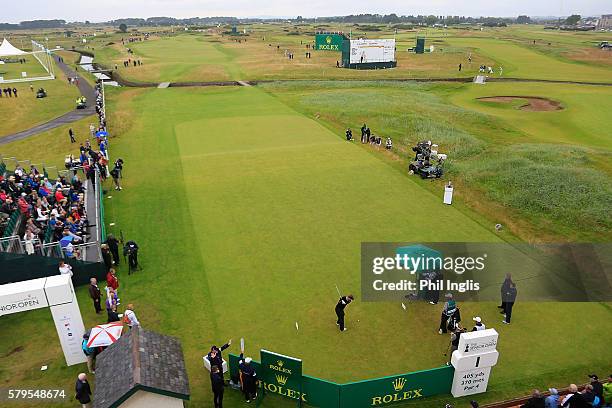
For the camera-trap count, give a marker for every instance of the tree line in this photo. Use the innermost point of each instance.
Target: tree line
(33, 24)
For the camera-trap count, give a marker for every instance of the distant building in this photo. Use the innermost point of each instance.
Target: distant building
(142, 369)
(605, 22)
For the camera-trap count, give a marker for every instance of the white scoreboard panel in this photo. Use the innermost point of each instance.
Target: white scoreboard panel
(473, 359)
(367, 51)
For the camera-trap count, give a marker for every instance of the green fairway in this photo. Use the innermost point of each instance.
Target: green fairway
(520, 61)
(15, 70)
(183, 58)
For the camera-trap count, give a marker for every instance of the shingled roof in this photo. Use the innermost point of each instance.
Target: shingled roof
(140, 360)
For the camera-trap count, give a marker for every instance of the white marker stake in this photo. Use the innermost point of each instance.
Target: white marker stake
(242, 345)
(297, 327)
(403, 306)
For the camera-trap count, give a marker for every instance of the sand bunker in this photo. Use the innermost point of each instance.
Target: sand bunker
(535, 104)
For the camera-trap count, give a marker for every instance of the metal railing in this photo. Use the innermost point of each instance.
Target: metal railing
(12, 244)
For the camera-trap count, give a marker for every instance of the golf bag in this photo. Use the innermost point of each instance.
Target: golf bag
(131, 251)
(450, 320)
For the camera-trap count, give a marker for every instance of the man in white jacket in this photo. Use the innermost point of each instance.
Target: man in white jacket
(129, 317)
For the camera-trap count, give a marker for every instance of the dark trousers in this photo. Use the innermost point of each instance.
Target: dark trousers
(97, 305)
(443, 320)
(133, 261)
(115, 254)
(218, 399)
(340, 321)
(249, 390)
(508, 310)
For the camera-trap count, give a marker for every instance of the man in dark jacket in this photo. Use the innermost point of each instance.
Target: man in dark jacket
(536, 400)
(504, 288)
(106, 257)
(216, 381)
(113, 246)
(342, 303)
(597, 387)
(216, 358)
(248, 378)
(83, 391)
(94, 294)
(509, 297)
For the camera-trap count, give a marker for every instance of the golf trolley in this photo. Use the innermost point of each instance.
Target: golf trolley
(422, 163)
(81, 103)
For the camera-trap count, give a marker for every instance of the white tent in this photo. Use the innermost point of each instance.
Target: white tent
(8, 49)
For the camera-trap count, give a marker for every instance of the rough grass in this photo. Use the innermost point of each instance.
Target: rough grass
(539, 181)
(555, 187)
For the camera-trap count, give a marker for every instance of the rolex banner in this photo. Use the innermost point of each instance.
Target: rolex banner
(398, 388)
(328, 42)
(316, 392)
(281, 375)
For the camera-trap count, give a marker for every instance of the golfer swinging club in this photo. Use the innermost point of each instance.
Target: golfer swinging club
(342, 303)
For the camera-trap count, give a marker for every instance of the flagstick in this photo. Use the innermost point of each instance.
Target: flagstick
(297, 327)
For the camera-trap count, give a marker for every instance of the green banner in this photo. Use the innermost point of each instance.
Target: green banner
(281, 375)
(328, 42)
(315, 392)
(377, 392)
(398, 388)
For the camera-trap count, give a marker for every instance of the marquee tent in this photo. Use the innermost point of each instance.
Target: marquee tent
(7, 49)
(42, 55)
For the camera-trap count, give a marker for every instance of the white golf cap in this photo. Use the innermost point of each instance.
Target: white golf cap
(477, 319)
(248, 360)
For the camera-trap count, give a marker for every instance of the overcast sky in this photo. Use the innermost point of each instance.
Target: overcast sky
(103, 10)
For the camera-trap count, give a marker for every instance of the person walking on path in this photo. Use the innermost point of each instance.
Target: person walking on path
(83, 391)
(343, 302)
(94, 293)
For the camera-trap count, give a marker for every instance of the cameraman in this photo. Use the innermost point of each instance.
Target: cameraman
(131, 250)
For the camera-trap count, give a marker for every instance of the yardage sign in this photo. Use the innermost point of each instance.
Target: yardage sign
(473, 360)
(282, 375)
